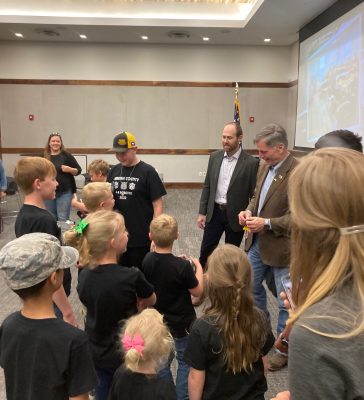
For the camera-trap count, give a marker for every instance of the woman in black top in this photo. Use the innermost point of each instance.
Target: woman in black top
(67, 168)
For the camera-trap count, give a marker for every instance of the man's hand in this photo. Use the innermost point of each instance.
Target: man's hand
(201, 221)
(255, 224)
(243, 216)
(2, 194)
(282, 396)
(286, 303)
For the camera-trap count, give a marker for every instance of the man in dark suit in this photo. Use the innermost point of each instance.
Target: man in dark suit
(268, 219)
(229, 184)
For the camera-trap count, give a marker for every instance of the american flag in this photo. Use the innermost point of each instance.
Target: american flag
(236, 104)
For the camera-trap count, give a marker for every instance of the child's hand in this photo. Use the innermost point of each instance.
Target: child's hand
(282, 396)
(70, 319)
(81, 207)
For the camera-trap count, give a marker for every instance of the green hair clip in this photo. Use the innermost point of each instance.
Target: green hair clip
(81, 227)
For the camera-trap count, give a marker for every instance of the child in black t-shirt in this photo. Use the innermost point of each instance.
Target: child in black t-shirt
(174, 282)
(43, 357)
(111, 293)
(226, 346)
(98, 196)
(147, 345)
(36, 178)
(97, 171)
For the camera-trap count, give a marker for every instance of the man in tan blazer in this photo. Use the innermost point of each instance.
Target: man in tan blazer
(268, 220)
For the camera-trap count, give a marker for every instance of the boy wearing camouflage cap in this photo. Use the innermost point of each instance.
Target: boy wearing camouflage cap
(43, 357)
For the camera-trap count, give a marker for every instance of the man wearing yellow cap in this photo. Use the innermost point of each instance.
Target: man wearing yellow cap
(138, 192)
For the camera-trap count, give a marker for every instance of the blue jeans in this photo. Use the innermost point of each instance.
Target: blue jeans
(260, 296)
(182, 371)
(104, 376)
(60, 207)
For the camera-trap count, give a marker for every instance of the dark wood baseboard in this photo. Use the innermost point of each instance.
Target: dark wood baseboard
(37, 151)
(183, 185)
(95, 82)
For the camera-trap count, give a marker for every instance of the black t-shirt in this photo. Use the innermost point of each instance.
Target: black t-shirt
(66, 181)
(135, 188)
(204, 353)
(32, 219)
(172, 277)
(128, 385)
(109, 293)
(44, 359)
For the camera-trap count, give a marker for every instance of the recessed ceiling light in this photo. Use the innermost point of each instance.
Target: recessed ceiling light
(19, 34)
(206, 39)
(179, 35)
(144, 37)
(83, 36)
(267, 40)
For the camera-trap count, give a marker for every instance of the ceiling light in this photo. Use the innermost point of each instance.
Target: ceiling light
(206, 39)
(144, 37)
(83, 36)
(267, 40)
(19, 34)
(47, 32)
(178, 35)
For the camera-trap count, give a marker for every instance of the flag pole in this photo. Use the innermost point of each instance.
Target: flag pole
(236, 104)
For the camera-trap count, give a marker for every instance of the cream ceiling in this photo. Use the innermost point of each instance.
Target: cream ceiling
(225, 22)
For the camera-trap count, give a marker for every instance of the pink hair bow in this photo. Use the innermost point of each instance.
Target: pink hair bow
(136, 343)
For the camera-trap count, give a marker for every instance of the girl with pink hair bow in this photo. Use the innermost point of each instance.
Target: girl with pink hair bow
(147, 344)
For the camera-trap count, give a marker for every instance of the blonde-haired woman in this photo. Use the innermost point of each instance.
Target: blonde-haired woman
(226, 346)
(147, 344)
(326, 353)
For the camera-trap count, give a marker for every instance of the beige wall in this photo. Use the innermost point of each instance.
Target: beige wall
(161, 117)
(37, 60)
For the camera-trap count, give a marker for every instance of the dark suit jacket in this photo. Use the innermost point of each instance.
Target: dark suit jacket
(274, 243)
(241, 187)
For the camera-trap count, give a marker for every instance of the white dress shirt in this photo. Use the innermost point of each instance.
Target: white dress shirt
(226, 171)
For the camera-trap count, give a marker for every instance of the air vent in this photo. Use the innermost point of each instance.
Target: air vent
(47, 32)
(179, 35)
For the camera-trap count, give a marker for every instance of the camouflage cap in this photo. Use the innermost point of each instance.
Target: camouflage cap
(31, 258)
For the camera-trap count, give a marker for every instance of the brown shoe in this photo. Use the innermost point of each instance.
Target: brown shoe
(277, 361)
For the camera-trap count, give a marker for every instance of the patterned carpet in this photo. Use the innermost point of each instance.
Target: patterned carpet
(181, 203)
